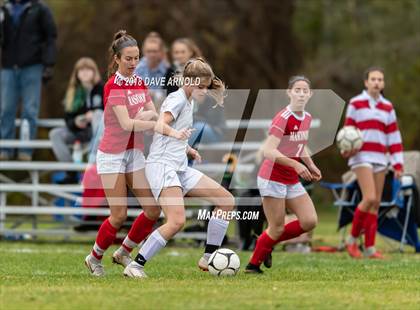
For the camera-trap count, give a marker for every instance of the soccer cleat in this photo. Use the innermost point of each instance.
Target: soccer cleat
(134, 270)
(203, 264)
(376, 255)
(250, 268)
(268, 262)
(353, 250)
(94, 266)
(119, 258)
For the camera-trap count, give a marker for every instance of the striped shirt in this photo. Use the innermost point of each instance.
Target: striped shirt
(377, 121)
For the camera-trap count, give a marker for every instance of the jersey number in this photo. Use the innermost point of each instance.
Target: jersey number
(300, 149)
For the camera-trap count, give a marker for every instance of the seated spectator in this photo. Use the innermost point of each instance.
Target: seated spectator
(83, 112)
(182, 50)
(153, 66)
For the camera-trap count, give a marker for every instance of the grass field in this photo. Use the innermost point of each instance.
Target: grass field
(52, 276)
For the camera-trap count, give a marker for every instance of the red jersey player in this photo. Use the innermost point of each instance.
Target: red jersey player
(120, 161)
(278, 178)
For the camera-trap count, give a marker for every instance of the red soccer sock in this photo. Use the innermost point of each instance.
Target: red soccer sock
(106, 236)
(263, 247)
(140, 229)
(371, 226)
(359, 219)
(291, 230)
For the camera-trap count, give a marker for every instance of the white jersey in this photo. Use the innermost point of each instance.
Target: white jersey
(167, 150)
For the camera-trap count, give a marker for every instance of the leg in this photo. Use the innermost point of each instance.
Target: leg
(172, 203)
(116, 196)
(9, 102)
(274, 210)
(61, 138)
(143, 225)
(305, 212)
(367, 186)
(30, 84)
(223, 201)
(371, 223)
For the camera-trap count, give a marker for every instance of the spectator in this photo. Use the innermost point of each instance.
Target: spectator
(83, 112)
(27, 34)
(153, 65)
(182, 50)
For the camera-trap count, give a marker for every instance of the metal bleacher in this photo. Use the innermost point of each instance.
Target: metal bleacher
(40, 193)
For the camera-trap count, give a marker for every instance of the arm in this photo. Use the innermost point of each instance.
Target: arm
(129, 124)
(307, 160)
(162, 127)
(394, 144)
(50, 35)
(271, 152)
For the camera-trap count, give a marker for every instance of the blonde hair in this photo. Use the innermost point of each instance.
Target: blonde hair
(84, 62)
(190, 44)
(199, 68)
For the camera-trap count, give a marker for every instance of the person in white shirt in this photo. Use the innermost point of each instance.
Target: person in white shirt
(167, 171)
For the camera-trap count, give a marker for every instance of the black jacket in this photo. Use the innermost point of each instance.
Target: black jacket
(32, 41)
(94, 100)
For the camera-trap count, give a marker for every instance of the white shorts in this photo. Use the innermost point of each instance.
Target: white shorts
(375, 167)
(275, 189)
(125, 162)
(161, 176)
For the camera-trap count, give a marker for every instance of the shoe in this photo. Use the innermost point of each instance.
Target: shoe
(24, 157)
(122, 258)
(376, 255)
(134, 270)
(250, 268)
(95, 267)
(268, 262)
(353, 250)
(203, 264)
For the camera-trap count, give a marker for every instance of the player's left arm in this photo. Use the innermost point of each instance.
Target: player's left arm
(307, 160)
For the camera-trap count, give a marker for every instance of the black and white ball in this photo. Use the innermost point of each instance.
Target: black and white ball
(224, 262)
(349, 138)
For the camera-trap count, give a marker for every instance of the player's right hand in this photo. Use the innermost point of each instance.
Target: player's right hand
(348, 154)
(303, 172)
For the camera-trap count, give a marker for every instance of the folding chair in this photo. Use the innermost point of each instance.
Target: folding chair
(395, 219)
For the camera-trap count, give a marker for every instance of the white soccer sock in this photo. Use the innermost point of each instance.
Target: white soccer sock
(153, 244)
(216, 231)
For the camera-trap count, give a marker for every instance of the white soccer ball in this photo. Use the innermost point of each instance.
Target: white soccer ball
(349, 138)
(224, 262)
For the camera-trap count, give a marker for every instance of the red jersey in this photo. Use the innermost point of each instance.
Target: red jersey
(131, 93)
(293, 131)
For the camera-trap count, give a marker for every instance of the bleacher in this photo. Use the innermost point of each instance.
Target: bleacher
(42, 195)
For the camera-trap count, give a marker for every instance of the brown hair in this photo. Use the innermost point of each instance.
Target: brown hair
(371, 69)
(199, 68)
(120, 41)
(190, 44)
(297, 78)
(84, 62)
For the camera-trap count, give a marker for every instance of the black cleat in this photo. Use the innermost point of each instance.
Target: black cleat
(253, 269)
(268, 262)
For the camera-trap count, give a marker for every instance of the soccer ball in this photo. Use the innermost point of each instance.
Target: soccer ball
(349, 138)
(224, 262)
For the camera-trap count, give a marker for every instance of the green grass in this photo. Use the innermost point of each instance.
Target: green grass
(52, 276)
